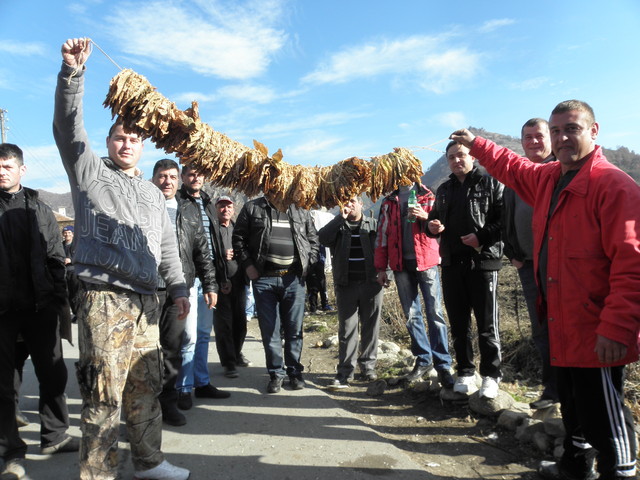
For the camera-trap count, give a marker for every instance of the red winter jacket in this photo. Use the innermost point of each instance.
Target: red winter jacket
(593, 267)
(389, 240)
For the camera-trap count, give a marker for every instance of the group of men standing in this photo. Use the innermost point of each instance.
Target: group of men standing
(144, 249)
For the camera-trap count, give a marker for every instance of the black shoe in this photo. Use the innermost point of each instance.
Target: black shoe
(185, 402)
(446, 379)
(209, 391)
(172, 416)
(296, 381)
(275, 384)
(541, 403)
(553, 471)
(230, 372)
(418, 372)
(244, 361)
(69, 444)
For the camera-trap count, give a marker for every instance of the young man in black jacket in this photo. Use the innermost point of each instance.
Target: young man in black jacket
(466, 218)
(32, 295)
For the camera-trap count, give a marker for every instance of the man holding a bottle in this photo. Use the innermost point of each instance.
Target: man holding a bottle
(403, 246)
(466, 218)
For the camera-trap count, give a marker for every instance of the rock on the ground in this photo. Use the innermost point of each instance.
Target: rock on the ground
(491, 406)
(521, 407)
(421, 386)
(315, 326)
(511, 420)
(542, 441)
(554, 427)
(545, 413)
(377, 388)
(389, 347)
(524, 433)
(332, 341)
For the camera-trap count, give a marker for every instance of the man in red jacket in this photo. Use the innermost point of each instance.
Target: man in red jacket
(586, 227)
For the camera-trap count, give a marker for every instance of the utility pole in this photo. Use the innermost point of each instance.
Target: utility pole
(3, 130)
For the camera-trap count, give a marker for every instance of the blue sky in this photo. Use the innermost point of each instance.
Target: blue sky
(327, 80)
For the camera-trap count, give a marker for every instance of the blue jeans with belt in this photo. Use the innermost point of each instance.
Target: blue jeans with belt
(280, 301)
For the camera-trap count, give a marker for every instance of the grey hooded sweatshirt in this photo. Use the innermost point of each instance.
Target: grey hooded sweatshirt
(123, 233)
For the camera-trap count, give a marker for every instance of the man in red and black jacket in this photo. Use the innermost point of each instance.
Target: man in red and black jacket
(403, 246)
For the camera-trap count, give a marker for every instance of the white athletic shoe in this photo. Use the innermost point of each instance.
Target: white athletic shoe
(489, 387)
(164, 471)
(465, 385)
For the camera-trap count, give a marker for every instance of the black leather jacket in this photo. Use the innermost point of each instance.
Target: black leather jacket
(252, 234)
(192, 244)
(46, 262)
(484, 211)
(337, 236)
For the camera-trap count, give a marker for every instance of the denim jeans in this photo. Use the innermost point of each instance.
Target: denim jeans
(431, 348)
(280, 301)
(251, 304)
(195, 342)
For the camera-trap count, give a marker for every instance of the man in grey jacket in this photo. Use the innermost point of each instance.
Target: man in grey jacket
(124, 238)
(351, 237)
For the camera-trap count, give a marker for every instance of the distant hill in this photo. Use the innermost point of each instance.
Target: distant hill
(625, 159)
(59, 202)
(628, 161)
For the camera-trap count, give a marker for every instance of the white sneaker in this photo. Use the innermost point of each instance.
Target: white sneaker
(164, 471)
(489, 387)
(465, 385)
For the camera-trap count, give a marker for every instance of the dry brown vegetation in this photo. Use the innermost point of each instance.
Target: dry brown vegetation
(521, 368)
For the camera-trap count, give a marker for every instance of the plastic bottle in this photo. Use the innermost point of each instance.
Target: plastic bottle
(412, 202)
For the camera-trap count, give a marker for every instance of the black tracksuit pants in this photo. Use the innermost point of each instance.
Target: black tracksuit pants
(467, 289)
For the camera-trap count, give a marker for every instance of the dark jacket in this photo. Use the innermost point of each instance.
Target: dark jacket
(337, 236)
(252, 235)
(193, 246)
(46, 262)
(484, 211)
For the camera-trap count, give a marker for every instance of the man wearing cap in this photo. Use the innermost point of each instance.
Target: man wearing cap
(72, 281)
(275, 248)
(229, 322)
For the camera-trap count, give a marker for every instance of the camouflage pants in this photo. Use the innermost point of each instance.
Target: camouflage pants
(120, 367)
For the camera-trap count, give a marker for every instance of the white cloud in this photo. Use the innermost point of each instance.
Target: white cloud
(210, 37)
(248, 93)
(530, 84)
(312, 149)
(188, 97)
(492, 25)
(22, 48)
(308, 123)
(451, 119)
(81, 8)
(426, 60)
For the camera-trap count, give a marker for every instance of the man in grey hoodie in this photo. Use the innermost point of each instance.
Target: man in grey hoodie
(124, 238)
